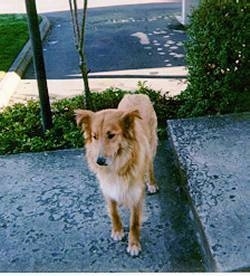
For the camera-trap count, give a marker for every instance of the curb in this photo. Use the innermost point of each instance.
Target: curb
(10, 81)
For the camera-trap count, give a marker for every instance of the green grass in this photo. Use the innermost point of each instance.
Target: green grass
(13, 36)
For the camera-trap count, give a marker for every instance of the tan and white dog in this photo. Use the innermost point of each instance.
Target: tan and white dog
(120, 148)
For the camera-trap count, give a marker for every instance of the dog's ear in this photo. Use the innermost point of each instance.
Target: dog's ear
(83, 120)
(128, 121)
(83, 117)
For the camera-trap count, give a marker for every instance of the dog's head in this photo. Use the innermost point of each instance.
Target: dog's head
(107, 133)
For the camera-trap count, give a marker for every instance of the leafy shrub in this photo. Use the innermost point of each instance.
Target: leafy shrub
(109, 98)
(217, 59)
(21, 129)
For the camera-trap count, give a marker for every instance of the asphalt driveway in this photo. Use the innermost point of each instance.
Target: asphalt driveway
(117, 38)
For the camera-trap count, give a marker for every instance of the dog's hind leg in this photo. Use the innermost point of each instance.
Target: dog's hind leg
(117, 229)
(150, 180)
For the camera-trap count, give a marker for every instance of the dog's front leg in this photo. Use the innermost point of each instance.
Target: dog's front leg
(117, 229)
(134, 246)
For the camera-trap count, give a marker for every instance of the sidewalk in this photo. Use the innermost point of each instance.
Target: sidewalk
(156, 78)
(43, 6)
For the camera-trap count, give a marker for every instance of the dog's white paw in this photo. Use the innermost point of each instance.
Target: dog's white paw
(152, 188)
(117, 235)
(134, 249)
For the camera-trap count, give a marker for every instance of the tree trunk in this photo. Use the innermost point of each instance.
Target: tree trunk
(79, 34)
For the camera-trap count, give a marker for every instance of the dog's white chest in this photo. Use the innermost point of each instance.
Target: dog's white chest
(121, 191)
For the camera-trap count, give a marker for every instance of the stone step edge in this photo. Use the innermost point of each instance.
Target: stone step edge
(209, 262)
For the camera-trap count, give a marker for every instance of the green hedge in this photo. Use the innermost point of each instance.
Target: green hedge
(21, 129)
(217, 59)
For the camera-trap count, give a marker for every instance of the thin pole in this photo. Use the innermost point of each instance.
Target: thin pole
(38, 62)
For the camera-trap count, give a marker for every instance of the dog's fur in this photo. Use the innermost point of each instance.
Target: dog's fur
(120, 147)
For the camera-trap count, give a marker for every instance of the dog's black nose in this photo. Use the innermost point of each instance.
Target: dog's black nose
(101, 161)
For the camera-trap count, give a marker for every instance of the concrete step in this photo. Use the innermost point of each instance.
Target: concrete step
(53, 219)
(213, 154)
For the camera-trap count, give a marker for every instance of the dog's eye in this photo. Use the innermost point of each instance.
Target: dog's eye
(110, 135)
(94, 136)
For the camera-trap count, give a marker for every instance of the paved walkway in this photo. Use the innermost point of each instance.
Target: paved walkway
(53, 218)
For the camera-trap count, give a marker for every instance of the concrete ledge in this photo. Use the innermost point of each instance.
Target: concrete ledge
(10, 81)
(213, 154)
